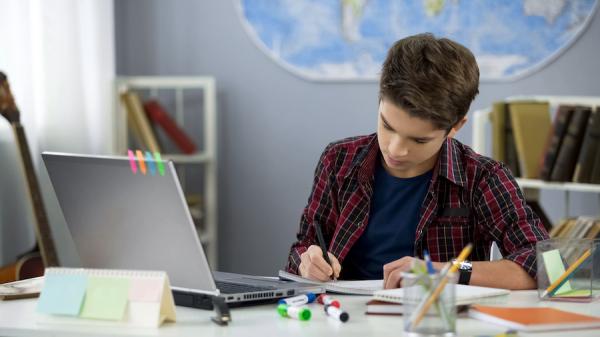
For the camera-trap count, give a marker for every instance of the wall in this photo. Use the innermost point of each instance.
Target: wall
(274, 125)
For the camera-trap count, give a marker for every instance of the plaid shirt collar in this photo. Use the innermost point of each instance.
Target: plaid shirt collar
(363, 165)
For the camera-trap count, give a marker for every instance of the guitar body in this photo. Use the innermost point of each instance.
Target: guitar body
(28, 266)
(33, 263)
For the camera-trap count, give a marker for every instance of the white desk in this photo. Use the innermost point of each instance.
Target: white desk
(17, 318)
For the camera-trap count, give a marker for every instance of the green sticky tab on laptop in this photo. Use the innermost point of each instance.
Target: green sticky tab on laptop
(106, 298)
(555, 268)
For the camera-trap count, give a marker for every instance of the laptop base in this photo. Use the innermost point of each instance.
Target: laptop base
(203, 301)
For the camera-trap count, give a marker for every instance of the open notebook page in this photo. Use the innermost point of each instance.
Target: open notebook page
(341, 287)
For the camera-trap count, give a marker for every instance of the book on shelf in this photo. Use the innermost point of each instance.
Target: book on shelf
(568, 229)
(554, 140)
(159, 116)
(557, 230)
(137, 119)
(530, 141)
(534, 318)
(582, 226)
(589, 148)
(503, 145)
(577, 228)
(594, 232)
(571, 144)
(498, 118)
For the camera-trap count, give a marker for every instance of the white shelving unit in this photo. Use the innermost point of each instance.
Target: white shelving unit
(207, 156)
(532, 186)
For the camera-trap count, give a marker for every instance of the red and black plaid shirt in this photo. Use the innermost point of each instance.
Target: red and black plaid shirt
(471, 198)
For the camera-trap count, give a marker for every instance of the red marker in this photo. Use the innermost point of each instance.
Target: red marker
(328, 300)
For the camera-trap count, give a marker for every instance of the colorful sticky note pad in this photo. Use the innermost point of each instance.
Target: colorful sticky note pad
(106, 298)
(62, 294)
(555, 268)
(146, 290)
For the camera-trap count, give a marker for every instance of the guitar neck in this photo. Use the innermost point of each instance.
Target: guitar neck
(43, 234)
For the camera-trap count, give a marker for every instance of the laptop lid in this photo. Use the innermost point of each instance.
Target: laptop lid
(124, 220)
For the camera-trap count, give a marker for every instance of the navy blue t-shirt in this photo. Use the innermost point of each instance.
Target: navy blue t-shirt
(393, 219)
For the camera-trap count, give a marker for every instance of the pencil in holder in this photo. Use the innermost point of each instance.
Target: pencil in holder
(440, 318)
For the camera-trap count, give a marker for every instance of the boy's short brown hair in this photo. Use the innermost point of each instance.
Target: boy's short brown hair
(434, 79)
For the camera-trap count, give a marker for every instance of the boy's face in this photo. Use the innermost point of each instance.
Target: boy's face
(409, 145)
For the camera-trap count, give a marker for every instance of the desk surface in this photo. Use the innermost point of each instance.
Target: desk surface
(17, 318)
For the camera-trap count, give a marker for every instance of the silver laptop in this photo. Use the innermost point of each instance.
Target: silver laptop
(124, 220)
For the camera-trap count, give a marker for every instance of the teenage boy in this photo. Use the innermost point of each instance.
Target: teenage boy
(383, 199)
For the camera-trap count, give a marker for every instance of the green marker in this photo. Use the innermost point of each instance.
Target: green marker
(159, 163)
(300, 313)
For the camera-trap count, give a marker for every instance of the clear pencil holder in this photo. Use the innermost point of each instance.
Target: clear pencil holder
(440, 318)
(568, 270)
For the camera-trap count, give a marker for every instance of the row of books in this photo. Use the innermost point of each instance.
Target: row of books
(144, 119)
(533, 146)
(577, 228)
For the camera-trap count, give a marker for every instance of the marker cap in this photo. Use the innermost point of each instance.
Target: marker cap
(282, 310)
(336, 312)
(328, 300)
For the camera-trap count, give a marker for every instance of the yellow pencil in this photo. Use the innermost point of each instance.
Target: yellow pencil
(559, 281)
(438, 290)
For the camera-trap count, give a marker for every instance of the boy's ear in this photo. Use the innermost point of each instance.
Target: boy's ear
(457, 127)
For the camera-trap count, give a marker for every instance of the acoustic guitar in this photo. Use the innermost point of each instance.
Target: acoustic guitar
(44, 254)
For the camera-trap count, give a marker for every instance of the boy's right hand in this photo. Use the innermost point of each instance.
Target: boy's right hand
(313, 266)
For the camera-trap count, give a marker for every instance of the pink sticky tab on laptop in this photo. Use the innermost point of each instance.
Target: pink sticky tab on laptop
(132, 161)
(145, 290)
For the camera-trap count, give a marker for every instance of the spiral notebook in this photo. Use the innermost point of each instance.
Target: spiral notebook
(105, 297)
(464, 294)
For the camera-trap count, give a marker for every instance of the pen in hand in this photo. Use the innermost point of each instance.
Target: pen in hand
(323, 246)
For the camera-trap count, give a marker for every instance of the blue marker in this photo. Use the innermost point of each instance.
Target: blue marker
(428, 262)
(299, 300)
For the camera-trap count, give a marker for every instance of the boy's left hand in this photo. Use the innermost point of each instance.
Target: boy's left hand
(392, 272)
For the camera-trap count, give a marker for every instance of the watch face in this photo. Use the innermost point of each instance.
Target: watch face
(466, 265)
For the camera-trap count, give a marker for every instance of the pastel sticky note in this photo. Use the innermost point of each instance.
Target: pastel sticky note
(159, 163)
(576, 293)
(132, 161)
(141, 162)
(62, 294)
(106, 298)
(145, 290)
(150, 163)
(555, 268)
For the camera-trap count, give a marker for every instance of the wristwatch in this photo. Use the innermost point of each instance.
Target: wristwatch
(464, 271)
